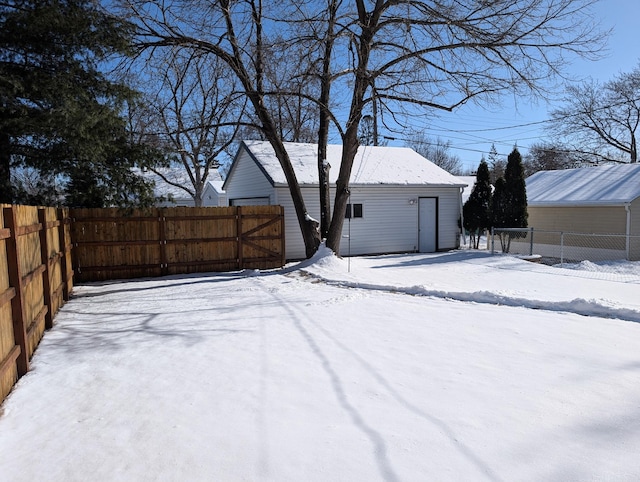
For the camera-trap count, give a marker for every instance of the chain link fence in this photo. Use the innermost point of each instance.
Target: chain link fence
(610, 252)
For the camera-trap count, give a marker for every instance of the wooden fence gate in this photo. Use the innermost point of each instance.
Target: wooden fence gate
(112, 244)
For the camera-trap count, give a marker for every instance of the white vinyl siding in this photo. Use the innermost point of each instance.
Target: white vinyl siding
(214, 198)
(448, 217)
(389, 222)
(294, 244)
(246, 180)
(250, 201)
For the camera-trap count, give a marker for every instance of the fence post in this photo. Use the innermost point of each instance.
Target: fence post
(239, 233)
(15, 280)
(44, 259)
(65, 250)
(492, 241)
(283, 258)
(162, 232)
(531, 243)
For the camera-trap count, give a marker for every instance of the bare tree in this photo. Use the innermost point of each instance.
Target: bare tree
(392, 54)
(602, 119)
(35, 187)
(192, 113)
(437, 151)
(549, 156)
(290, 100)
(234, 33)
(292, 94)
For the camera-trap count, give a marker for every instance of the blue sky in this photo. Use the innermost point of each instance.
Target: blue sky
(473, 129)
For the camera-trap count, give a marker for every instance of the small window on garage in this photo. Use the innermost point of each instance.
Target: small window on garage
(354, 211)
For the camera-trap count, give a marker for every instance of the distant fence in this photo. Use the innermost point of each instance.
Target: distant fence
(36, 278)
(112, 244)
(559, 247)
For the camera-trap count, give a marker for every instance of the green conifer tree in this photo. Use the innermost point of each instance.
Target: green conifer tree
(59, 113)
(516, 191)
(509, 206)
(477, 210)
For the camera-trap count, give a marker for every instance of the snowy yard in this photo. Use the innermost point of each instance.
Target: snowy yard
(450, 367)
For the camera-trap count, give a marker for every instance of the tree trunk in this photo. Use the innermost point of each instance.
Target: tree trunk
(6, 189)
(323, 125)
(308, 225)
(197, 199)
(362, 81)
(323, 165)
(349, 150)
(325, 192)
(255, 91)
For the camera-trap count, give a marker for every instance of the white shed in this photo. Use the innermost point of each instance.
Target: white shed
(400, 201)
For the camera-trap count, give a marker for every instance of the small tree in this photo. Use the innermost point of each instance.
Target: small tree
(496, 164)
(498, 210)
(477, 209)
(516, 191)
(509, 205)
(193, 114)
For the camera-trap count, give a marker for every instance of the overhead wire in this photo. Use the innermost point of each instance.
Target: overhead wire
(470, 134)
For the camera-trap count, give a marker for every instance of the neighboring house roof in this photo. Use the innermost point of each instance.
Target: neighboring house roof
(613, 184)
(179, 175)
(372, 165)
(470, 181)
(217, 185)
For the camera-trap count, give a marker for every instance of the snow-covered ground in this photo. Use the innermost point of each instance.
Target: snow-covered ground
(445, 367)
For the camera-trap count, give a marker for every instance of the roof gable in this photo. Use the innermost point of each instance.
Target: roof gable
(603, 185)
(372, 165)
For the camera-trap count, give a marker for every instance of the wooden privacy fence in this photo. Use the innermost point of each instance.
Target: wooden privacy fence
(112, 244)
(36, 278)
(37, 275)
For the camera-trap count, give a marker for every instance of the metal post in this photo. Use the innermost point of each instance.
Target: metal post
(492, 241)
(531, 244)
(561, 248)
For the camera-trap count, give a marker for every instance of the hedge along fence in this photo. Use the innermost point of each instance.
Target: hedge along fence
(36, 278)
(112, 243)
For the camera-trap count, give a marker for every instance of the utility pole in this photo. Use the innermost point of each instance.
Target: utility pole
(374, 106)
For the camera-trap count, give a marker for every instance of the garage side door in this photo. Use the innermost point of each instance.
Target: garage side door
(428, 224)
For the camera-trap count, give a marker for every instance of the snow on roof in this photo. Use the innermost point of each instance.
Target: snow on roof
(589, 186)
(372, 165)
(470, 181)
(178, 175)
(217, 185)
